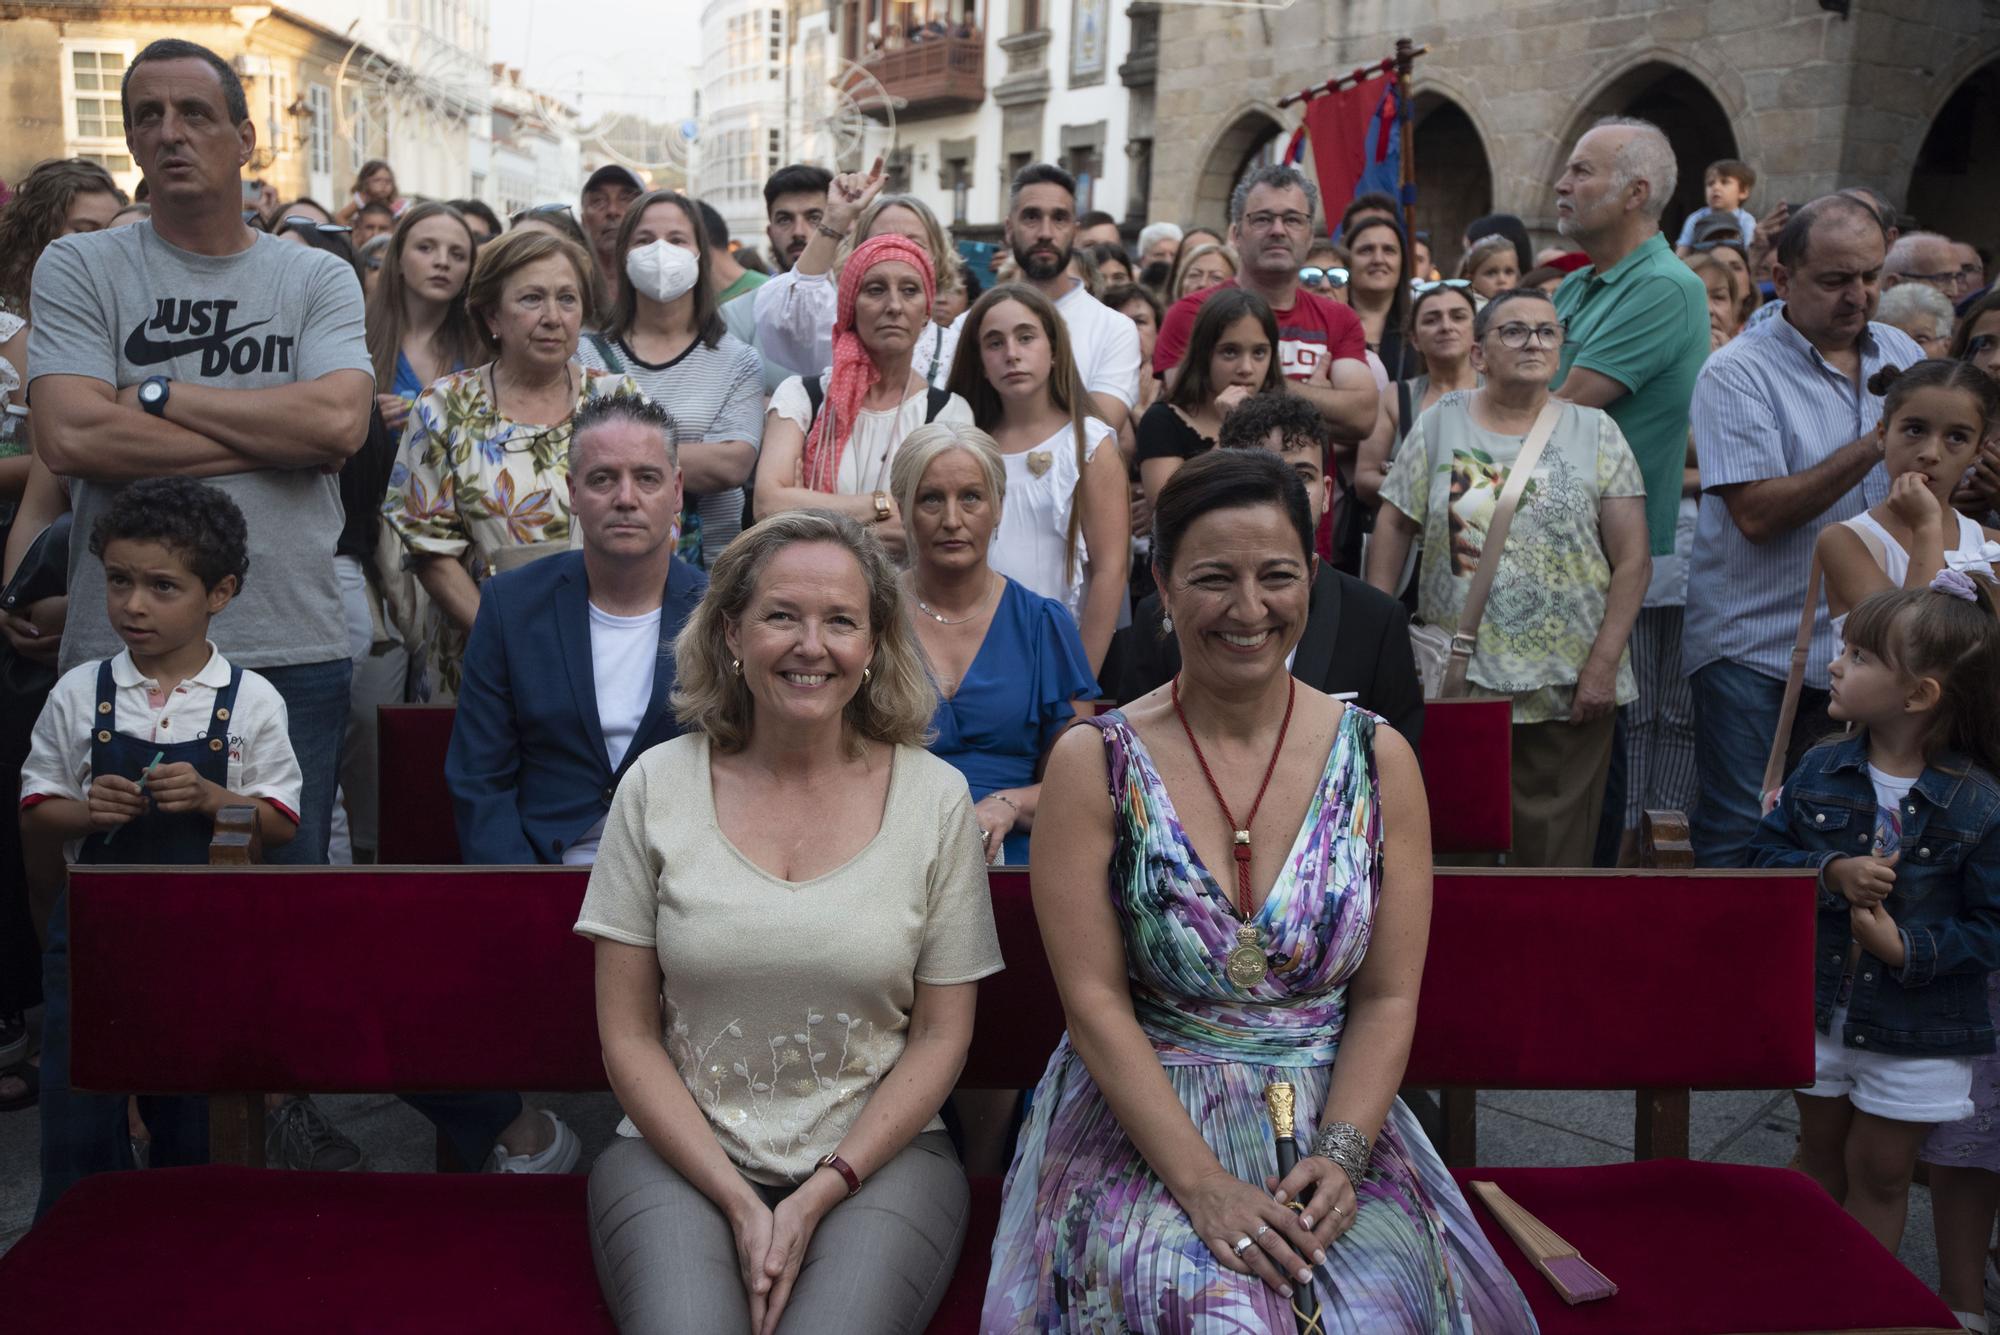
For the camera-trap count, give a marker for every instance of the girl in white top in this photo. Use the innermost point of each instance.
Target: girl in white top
(1066, 529)
(795, 310)
(872, 397)
(1934, 417)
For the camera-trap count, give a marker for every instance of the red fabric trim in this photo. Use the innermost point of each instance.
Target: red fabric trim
(282, 809)
(36, 799)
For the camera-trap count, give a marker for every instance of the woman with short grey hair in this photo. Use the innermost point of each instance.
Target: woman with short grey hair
(1006, 661)
(1922, 312)
(790, 920)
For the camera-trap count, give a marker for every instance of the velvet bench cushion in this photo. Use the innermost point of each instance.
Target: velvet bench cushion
(202, 1249)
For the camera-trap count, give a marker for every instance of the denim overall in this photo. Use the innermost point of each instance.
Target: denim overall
(88, 1133)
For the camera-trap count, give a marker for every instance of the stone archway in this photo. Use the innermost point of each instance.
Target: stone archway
(1687, 111)
(1955, 185)
(1249, 140)
(1454, 175)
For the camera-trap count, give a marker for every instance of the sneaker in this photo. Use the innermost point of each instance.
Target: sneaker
(560, 1157)
(298, 1136)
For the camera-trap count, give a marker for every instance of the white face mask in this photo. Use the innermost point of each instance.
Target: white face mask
(662, 270)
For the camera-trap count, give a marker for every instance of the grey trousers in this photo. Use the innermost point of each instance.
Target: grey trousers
(878, 1263)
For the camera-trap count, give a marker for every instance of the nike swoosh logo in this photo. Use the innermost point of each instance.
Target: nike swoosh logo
(143, 351)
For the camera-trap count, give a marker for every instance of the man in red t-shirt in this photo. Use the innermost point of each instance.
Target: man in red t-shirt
(1321, 349)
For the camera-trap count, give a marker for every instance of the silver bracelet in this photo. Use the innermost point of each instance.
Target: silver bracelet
(1344, 1143)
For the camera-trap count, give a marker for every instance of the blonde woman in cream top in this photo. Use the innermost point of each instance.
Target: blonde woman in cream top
(791, 914)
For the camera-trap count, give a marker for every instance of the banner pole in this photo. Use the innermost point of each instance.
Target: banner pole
(1405, 57)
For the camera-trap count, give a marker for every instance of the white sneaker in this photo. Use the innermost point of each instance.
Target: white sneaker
(560, 1157)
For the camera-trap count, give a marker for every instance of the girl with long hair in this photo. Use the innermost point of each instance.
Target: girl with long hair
(1232, 353)
(419, 329)
(1065, 531)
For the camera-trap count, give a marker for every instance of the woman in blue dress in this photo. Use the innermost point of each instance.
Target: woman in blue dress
(1007, 661)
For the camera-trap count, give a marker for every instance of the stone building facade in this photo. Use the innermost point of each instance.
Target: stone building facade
(1903, 97)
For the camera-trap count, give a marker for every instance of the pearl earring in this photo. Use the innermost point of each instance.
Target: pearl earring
(1167, 625)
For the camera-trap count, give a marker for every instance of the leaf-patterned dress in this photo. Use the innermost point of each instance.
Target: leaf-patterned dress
(1091, 1240)
(469, 482)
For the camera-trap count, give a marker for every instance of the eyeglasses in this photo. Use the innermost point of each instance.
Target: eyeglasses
(1517, 336)
(542, 210)
(1314, 276)
(1949, 278)
(1291, 222)
(302, 222)
(1432, 285)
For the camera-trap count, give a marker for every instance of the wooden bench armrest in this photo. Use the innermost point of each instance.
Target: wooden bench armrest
(1664, 844)
(236, 841)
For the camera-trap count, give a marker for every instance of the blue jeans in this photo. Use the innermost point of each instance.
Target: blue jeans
(315, 696)
(1735, 716)
(84, 1134)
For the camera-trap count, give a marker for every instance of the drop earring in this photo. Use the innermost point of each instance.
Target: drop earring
(1166, 625)
(736, 666)
(867, 674)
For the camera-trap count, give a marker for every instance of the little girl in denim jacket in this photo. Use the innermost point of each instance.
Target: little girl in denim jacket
(1901, 817)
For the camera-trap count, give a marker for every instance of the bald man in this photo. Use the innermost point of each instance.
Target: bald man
(1922, 257)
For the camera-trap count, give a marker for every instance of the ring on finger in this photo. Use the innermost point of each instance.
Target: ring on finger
(1243, 1244)
(1337, 1210)
(1262, 1229)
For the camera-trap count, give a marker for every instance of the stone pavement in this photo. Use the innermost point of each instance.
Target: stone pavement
(1516, 1128)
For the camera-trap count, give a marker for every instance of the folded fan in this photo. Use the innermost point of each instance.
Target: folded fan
(1577, 1280)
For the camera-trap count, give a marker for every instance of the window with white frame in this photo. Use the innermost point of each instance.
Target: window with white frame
(319, 129)
(93, 123)
(278, 136)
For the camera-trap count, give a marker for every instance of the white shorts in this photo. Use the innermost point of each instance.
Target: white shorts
(1900, 1088)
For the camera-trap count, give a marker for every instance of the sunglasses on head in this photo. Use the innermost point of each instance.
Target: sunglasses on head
(542, 210)
(1314, 276)
(302, 222)
(1433, 284)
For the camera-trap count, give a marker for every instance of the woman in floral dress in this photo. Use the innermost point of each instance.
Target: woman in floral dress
(1144, 1194)
(480, 483)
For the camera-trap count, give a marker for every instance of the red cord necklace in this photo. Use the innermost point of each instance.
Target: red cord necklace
(1247, 963)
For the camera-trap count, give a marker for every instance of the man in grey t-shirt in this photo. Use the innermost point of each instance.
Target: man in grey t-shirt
(191, 345)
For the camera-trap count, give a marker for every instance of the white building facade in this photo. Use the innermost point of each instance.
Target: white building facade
(743, 112)
(985, 87)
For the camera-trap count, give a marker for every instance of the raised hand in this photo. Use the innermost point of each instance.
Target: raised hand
(850, 193)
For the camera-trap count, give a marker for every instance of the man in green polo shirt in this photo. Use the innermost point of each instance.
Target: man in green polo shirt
(1637, 317)
(1637, 333)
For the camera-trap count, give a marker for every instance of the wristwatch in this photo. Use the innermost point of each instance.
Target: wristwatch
(883, 514)
(153, 394)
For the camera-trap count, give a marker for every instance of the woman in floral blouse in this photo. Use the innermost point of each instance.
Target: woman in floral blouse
(480, 484)
(1570, 577)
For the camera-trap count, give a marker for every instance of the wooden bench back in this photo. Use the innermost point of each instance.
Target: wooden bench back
(416, 825)
(376, 979)
(1467, 756)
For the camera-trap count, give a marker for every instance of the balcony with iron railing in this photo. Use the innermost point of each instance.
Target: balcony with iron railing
(932, 74)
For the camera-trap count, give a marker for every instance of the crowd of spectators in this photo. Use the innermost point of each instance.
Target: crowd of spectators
(746, 581)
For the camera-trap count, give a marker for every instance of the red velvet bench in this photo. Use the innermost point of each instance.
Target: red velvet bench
(371, 979)
(1468, 746)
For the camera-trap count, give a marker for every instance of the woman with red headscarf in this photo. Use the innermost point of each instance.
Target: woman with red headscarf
(829, 439)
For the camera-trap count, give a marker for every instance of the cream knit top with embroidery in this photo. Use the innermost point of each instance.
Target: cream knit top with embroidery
(786, 1002)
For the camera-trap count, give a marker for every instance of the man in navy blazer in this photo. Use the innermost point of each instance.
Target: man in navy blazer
(570, 664)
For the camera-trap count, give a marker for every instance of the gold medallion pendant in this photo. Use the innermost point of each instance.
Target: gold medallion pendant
(1246, 965)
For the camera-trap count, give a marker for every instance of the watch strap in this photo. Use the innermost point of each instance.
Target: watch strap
(841, 1166)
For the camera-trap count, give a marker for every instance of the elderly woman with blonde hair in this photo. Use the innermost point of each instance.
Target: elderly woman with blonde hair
(1006, 661)
(791, 917)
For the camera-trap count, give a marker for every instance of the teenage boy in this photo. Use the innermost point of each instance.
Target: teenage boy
(132, 758)
(1727, 185)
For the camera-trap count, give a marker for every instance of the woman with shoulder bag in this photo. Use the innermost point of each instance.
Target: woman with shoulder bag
(1563, 587)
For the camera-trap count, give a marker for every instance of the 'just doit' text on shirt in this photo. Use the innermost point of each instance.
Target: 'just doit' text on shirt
(182, 325)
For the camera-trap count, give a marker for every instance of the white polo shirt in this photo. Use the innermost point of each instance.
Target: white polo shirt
(261, 761)
(1104, 342)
